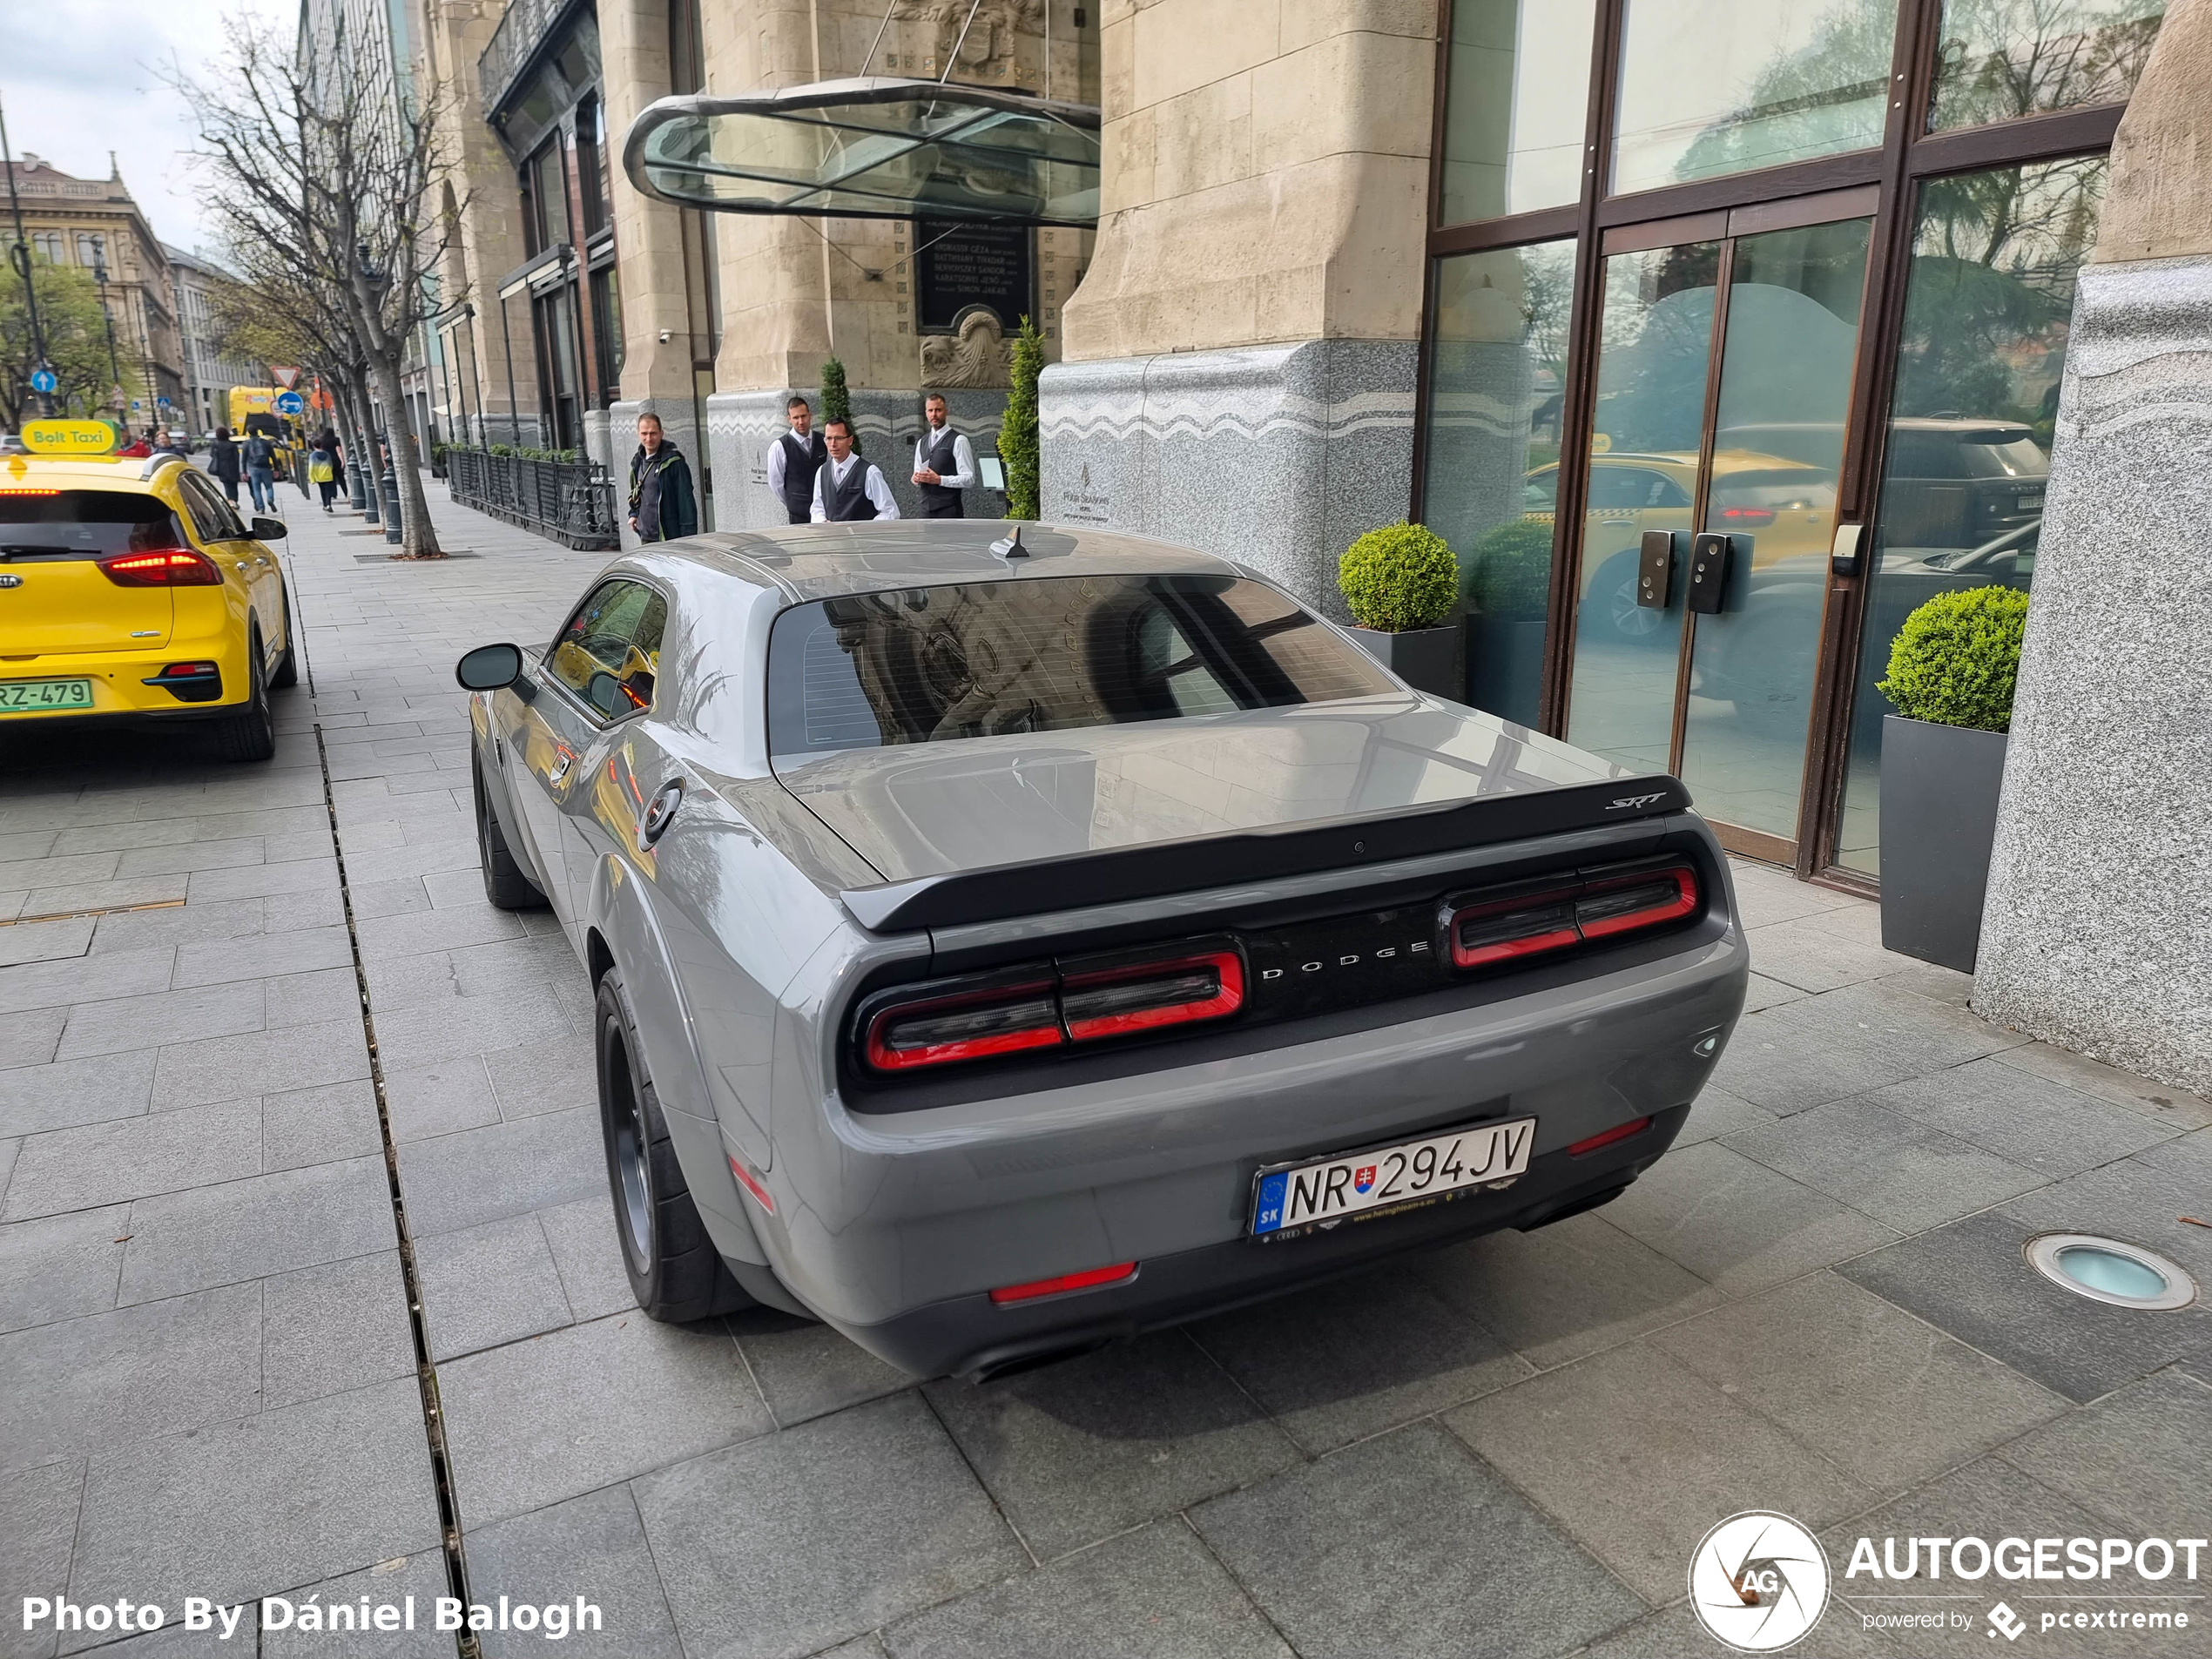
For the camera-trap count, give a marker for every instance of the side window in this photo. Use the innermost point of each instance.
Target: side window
(609, 652)
(211, 520)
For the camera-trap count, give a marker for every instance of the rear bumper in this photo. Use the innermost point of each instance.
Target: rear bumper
(120, 695)
(894, 1228)
(975, 1338)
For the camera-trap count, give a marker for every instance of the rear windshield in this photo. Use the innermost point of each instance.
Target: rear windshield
(1055, 654)
(83, 523)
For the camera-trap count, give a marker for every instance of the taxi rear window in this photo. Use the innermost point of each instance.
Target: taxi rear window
(1052, 654)
(83, 523)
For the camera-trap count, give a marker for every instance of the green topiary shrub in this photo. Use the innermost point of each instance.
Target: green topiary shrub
(837, 401)
(1399, 577)
(1509, 574)
(1018, 433)
(1957, 659)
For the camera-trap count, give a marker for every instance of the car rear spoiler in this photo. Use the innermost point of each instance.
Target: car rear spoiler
(997, 891)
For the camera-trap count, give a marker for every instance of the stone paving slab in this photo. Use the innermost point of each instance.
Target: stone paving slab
(1815, 1302)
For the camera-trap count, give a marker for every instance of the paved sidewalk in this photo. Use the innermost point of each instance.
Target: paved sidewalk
(1816, 1304)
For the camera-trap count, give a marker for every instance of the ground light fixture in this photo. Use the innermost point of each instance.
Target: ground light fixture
(2110, 1270)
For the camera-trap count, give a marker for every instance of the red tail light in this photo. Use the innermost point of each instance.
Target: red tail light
(1745, 518)
(967, 1025)
(162, 567)
(1088, 1000)
(1606, 1137)
(1089, 1278)
(1497, 927)
(1117, 1001)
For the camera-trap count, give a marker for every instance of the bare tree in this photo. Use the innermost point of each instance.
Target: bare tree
(326, 193)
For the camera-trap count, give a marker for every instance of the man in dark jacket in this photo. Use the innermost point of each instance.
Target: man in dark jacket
(261, 471)
(222, 461)
(662, 503)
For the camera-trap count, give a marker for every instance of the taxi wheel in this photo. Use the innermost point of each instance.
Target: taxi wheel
(287, 668)
(675, 1271)
(250, 733)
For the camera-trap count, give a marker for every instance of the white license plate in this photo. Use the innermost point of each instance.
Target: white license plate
(1297, 1197)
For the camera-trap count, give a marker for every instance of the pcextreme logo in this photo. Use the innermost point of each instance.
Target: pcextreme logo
(1758, 1581)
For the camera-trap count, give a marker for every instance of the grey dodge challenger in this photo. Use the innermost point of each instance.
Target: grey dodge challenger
(1007, 942)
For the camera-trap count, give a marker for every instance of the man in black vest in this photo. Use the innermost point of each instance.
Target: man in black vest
(794, 459)
(848, 489)
(944, 464)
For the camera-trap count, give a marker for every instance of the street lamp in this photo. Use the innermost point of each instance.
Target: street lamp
(114, 367)
(19, 256)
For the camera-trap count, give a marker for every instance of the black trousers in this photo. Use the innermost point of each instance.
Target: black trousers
(942, 510)
(799, 514)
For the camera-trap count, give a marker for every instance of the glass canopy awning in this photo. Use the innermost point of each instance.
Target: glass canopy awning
(876, 147)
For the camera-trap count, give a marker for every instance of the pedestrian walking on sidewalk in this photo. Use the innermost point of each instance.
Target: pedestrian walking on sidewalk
(663, 505)
(260, 472)
(323, 465)
(849, 489)
(944, 464)
(222, 461)
(794, 459)
(165, 443)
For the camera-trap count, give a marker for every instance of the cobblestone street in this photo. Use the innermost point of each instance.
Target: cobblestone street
(209, 1385)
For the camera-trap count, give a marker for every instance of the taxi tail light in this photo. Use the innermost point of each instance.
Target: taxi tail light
(1485, 930)
(1116, 1001)
(160, 567)
(1089, 1278)
(969, 1025)
(1745, 518)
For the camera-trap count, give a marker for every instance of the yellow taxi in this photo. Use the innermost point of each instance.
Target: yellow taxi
(131, 590)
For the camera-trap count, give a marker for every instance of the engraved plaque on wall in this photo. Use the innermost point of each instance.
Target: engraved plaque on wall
(963, 264)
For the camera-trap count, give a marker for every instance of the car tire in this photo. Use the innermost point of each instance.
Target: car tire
(1614, 591)
(287, 669)
(250, 733)
(505, 884)
(675, 1272)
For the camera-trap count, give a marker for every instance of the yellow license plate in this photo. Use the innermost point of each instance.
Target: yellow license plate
(37, 696)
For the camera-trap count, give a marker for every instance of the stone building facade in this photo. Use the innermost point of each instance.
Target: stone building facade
(94, 223)
(209, 372)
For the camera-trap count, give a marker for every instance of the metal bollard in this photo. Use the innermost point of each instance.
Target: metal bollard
(356, 486)
(389, 487)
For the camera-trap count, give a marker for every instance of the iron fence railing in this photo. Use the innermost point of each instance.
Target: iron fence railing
(523, 28)
(571, 501)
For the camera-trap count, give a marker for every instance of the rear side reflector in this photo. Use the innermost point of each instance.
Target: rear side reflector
(167, 567)
(750, 1182)
(1618, 1132)
(1087, 1000)
(1496, 927)
(1089, 1278)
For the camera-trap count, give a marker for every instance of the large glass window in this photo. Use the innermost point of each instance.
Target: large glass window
(1999, 59)
(1514, 106)
(1497, 374)
(1986, 311)
(1711, 87)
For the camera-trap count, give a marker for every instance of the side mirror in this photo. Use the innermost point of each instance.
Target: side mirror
(269, 530)
(489, 667)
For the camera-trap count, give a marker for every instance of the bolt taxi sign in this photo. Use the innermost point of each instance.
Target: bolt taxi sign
(68, 437)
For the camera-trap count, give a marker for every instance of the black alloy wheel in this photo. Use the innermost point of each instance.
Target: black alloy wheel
(250, 733)
(287, 669)
(675, 1272)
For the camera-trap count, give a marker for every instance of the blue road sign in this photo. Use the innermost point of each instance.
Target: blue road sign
(291, 404)
(43, 380)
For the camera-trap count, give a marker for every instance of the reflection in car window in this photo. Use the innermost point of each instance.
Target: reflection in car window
(1053, 654)
(210, 517)
(1615, 488)
(608, 653)
(85, 524)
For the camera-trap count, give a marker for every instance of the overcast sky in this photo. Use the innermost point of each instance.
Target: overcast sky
(79, 79)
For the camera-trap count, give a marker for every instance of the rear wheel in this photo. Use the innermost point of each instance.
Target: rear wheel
(287, 669)
(505, 884)
(675, 1271)
(250, 733)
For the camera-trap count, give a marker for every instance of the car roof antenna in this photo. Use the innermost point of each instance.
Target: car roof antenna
(1011, 547)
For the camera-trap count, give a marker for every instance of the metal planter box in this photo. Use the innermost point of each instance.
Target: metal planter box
(1425, 659)
(1938, 821)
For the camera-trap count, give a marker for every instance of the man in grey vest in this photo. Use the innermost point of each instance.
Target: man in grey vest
(944, 464)
(794, 459)
(848, 489)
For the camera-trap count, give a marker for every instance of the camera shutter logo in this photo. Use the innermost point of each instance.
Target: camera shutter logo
(1758, 1581)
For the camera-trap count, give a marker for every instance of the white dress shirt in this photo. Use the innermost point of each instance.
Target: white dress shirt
(878, 492)
(776, 455)
(963, 474)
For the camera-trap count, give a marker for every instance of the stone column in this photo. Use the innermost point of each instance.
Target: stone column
(656, 344)
(2097, 933)
(1239, 365)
